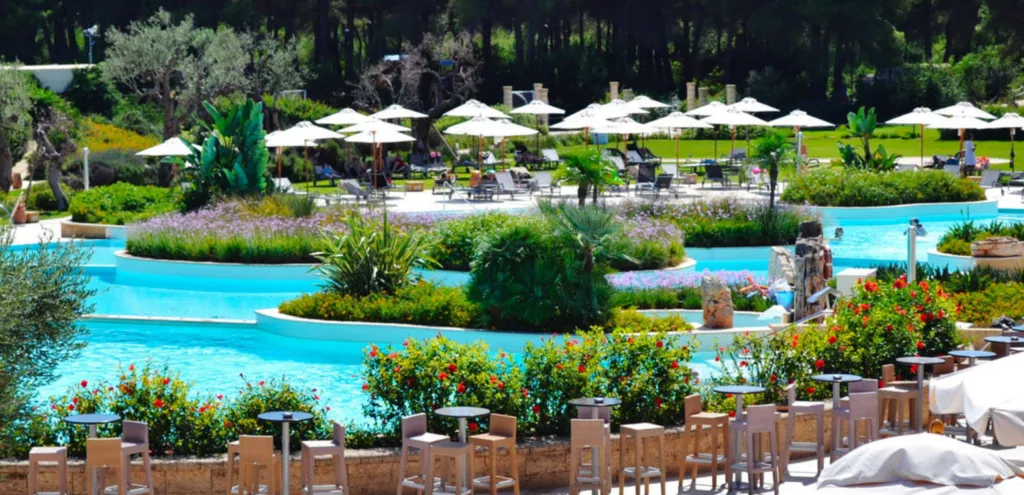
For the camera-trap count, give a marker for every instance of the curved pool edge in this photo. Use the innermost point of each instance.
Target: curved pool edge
(126, 263)
(988, 207)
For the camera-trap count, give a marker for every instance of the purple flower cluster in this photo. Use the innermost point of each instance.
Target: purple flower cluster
(654, 279)
(227, 220)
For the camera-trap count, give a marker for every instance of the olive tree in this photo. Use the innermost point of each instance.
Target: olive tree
(15, 122)
(45, 292)
(176, 65)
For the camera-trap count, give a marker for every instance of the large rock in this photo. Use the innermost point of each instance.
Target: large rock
(780, 265)
(717, 302)
(997, 247)
(813, 267)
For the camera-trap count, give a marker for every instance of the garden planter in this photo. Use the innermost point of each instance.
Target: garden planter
(19, 214)
(31, 217)
(16, 181)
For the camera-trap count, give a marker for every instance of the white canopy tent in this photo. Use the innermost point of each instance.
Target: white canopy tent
(922, 116)
(980, 393)
(1011, 121)
(676, 120)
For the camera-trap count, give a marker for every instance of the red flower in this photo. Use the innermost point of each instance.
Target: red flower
(832, 339)
(158, 403)
(718, 358)
(316, 397)
(923, 317)
(366, 386)
(452, 368)
(262, 382)
(526, 393)
(71, 407)
(393, 355)
(774, 378)
(536, 409)
(913, 294)
(660, 344)
(629, 340)
(746, 351)
(865, 307)
(461, 388)
(559, 366)
(732, 414)
(228, 424)
(110, 389)
(473, 427)
(96, 392)
(167, 381)
(328, 408)
(503, 355)
(581, 368)
(888, 328)
(442, 376)
(913, 368)
(728, 396)
(923, 285)
(501, 385)
(373, 352)
(131, 367)
(810, 390)
(819, 364)
(920, 345)
(721, 349)
(871, 286)
(674, 365)
(405, 344)
(74, 400)
(494, 379)
(84, 384)
(220, 396)
(53, 406)
(743, 364)
(657, 402)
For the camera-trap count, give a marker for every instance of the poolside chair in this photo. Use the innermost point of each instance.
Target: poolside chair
(526, 159)
(551, 157)
(672, 170)
(419, 164)
(990, 179)
(282, 185)
(664, 183)
(645, 177)
(351, 187)
(634, 157)
(713, 173)
(508, 186)
(542, 180)
(952, 169)
(490, 160)
(647, 155)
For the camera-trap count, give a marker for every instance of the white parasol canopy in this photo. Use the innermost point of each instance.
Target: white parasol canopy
(1009, 120)
(707, 110)
(645, 102)
(619, 108)
(380, 137)
(474, 108)
(751, 105)
(733, 117)
(959, 123)
(538, 107)
(397, 112)
(346, 116)
(625, 125)
(308, 131)
(374, 125)
(281, 139)
(677, 120)
(799, 118)
(511, 129)
(584, 119)
(171, 147)
(477, 126)
(591, 109)
(965, 109)
(921, 116)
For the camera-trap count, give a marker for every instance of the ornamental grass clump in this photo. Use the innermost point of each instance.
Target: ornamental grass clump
(837, 186)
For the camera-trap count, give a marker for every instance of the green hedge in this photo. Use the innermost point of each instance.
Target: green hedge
(837, 186)
(419, 304)
(957, 240)
(121, 203)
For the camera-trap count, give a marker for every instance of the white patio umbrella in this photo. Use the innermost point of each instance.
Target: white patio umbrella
(624, 127)
(397, 112)
(584, 120)
(921, 116)
(280, 140)
(707, 110)
(478, 127)
(373, 125)
(732, 118)
(965, 109)
(1011, 121)
(751, 105)
(346, 116)
(676, 120)
(511, 129)
(961, 124)
(474, 108)
(645, 103)
(378, 138)
(617, 108)
(310, 133)
(591, 109)
(538, 108)
(172, 147)
(798, 119)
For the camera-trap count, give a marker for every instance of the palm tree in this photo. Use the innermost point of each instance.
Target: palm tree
(771, 150)
(862, 125)
(589, 171)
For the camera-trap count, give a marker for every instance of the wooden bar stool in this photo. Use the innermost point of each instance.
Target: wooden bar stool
(415, 436)
(58, 455)
(502, 434)
(893, 400)
(638, 471)
(455, 458)
(587, 435)
(797, 408)
(759, 421)
(861, 407)
(105, 455)
(232, 457)
(256, 453)
(335, 448)
(697, 422)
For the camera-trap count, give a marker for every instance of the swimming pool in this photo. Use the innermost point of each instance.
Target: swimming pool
(212, 356)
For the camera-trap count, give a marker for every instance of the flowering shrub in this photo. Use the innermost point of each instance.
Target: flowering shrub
(420, 304)
(100, 137)
(120, 203)
(998, 299)
(722, 222)
(770, 361)
(424, 375)
(180, 421)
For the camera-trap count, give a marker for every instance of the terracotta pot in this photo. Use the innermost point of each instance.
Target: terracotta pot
(16, 181)
(19, 214)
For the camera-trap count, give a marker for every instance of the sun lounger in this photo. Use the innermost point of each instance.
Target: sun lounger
(282, 185)
(664, 183)
(542, 180)
(672, 170)
(551, 157)
(634, 157)
(990, 179)
(418, 165)
(647, 155)
(713, 173)
(508, 186)
(490, 160)
(952, 169)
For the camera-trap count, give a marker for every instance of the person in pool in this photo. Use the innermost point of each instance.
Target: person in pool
(839, 234)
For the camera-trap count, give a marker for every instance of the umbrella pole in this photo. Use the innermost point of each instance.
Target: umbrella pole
(922, 145)
(503, 153)
(799, 149)
(714, 155)
(538, 140)
(305, 158)
(963, 170)
(732, 148)
(278, 162)
(677, 147)
(1013, 155)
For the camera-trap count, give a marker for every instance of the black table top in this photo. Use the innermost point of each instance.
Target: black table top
(919, 360)
(739, 389)
(972, 354)
(836, 378)
(595, 402)
(279, 416)
(92, 419)
(462, 412)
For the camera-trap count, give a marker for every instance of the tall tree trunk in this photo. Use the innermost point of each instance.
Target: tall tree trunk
(320, 31)
(6, 164)
(927, 37)
(683, 48)
(597, 34)
(486, 28)
(730, 41)
(839, 65)
(517, 32)
(583, 24)
(582, 191)
(350, 43)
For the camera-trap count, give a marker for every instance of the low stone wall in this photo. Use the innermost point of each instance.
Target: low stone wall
(543, 464)
(75, 230)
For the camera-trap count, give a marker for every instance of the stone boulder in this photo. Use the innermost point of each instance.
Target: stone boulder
(717, 302)
(781, 266)
(997, 247)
